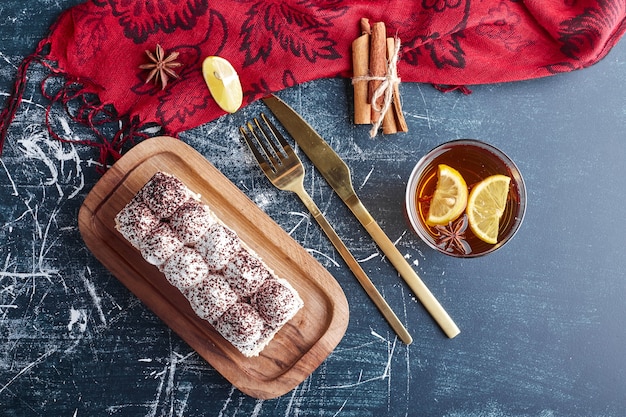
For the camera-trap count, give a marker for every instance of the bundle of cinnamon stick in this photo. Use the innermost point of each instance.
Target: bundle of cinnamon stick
(372, 53)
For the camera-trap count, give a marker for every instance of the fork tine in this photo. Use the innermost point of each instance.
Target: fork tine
(269, 135)
(263, 162)
(271, 163)
(263, 141)
(281, 139)
(275, 156)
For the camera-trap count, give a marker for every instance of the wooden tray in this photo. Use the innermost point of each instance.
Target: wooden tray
(298, 348)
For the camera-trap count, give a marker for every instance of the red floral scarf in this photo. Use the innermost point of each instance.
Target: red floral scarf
(98, 46)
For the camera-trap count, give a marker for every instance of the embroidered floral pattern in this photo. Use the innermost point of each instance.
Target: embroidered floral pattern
(298, 28)
(441, 5)
(442, 47)
(143, 18)
(195, 101)
(88, 47)
(502, 24)
(585, 31)
(262, 88)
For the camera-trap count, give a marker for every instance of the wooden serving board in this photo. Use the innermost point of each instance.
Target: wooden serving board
(297, 349)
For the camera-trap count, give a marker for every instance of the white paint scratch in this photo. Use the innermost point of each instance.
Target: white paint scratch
(165, 397)
(291, 401)
(262, 200)
(14, 193)
(368, 258)
(40, 266)
(343, 405)
(384, 375)
(27, 368)
(395, 243)
(366, 179)
(97, 301)
(37, 144)
(5, 58)
(335, 263)
(258, 405)
(304, 219)
(79, 318)
(227, 402)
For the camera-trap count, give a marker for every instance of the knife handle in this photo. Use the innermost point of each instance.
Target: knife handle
(407, 273)
(356, 269)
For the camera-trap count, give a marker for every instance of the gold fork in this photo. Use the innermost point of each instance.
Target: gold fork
(284, 169)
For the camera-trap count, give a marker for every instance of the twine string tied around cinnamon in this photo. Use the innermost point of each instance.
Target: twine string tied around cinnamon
(386, 88)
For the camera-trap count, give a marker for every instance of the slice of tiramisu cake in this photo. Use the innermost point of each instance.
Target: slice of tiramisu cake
(226, 283)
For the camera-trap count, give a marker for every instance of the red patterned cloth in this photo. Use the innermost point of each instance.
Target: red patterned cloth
(97, 48)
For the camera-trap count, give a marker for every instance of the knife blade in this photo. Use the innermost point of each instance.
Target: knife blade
(338, 176)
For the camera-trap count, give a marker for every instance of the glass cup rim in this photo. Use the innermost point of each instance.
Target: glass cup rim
(411, 190)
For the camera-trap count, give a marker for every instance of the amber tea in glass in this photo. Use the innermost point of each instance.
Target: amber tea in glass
(475, 161)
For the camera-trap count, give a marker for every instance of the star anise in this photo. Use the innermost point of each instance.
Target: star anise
(161, 67)
(452, 237)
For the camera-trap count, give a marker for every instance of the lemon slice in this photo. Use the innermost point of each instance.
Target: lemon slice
(486, 204)
(450, 197)
(223, 83)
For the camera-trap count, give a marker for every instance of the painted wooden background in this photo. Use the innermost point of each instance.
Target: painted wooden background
(542, 320)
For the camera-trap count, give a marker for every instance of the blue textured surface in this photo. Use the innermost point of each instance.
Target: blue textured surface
(542, 319)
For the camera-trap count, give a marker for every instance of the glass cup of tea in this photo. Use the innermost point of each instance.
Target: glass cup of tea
(475, 161)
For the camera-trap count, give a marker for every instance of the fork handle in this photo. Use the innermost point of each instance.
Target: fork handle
(407, 273)
(356, 269)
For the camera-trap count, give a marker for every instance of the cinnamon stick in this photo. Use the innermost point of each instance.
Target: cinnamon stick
(389, 122)
(389, 119)
(360, 68)
(365, 25)
(378, 65)
(373, 55)
(396, 103)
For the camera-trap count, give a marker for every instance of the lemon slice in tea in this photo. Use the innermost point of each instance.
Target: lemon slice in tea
(450, 197)
(223, 82)
(486, 204)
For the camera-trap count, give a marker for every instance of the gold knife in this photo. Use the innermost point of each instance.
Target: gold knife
(337, 174)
